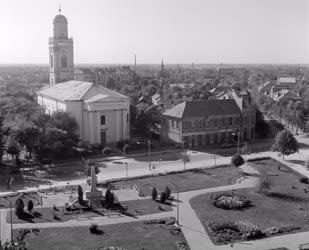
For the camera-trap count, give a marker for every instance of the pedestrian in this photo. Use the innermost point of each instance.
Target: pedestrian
(12, 181)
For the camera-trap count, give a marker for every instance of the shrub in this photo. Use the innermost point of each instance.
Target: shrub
(107, 151)
(19, 207)
(230, 231)
(237, 160)
(168, 192)
(154, 194)
(249, 231)
(80, 194)
(163, 197)
(93, 228)
(264, 184)
(304, 180)
(229, 201)
(30, 206)
(109, 197)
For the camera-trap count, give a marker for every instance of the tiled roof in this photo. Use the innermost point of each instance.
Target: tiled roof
(203, 108)
(286, 80)
(77, 90)
(67, 91)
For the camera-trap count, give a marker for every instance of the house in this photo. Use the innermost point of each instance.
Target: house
(206, 123)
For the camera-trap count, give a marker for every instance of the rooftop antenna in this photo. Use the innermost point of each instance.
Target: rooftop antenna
(135, 63)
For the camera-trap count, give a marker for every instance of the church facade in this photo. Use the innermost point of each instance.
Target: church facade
(102, 114)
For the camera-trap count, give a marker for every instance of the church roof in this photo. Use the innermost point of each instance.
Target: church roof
(60, 19)
(79, 90)
(203, 108)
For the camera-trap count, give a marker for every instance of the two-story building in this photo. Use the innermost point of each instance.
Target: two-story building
(209, 122)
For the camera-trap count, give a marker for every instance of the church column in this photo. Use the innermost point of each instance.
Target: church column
(117, 125)
(91, 127)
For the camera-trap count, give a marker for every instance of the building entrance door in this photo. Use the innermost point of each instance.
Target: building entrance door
(103, 137)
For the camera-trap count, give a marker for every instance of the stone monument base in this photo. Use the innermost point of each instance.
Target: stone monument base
(94, 194)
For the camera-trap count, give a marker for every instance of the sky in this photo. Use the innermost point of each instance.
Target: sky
(177, 31)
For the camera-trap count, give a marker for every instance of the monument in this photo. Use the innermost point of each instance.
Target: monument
(94, 195)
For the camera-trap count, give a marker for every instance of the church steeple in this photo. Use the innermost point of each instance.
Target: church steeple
(162, 66)
(61, 65)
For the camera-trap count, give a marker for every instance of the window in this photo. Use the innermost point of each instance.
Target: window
(215, 122)
(196, 124)
(51, 61)
(230, 121)
(63, 61)
(201, 124)
(102, 119)
(223, 121)
(177, 124)
(237, 121)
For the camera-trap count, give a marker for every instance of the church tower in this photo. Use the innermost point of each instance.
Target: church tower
(61, 59)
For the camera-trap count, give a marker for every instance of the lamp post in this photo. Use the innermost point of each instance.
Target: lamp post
(149, 163)
(177, 189)
(126, 168)
(11, 222)
(125, 158)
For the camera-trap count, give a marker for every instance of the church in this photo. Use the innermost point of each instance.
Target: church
(102, 114)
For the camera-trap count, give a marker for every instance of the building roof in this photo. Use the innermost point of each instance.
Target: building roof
(286, 80)
(77, 90)
(203, 108)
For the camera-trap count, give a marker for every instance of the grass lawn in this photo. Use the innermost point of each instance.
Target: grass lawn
(131, 236)
(187, 181)
(285, 205)
(134, 208)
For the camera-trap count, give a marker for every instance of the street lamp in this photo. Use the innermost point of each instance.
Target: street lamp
(149, 163)
(177, 189)
(125, 158)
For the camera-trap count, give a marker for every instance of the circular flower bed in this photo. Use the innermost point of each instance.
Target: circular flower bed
(229, 201)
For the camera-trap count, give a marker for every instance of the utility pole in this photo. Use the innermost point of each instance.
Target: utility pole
(177, 188)
(149, 163)
(238, 142)
(125, 158)
(11, 222)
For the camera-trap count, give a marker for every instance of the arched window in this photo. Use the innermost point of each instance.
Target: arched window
(51, 61)
(63, 61)
(102, 119)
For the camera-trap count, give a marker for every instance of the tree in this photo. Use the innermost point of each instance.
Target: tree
(261, 127)
(237, 160)
(285, 143)
(80, 194)
(110, 83)
(13, 149)
(19, 207)
(109, 197)
(154, 194)
(168, 192)
(163, 197)
(30, 206)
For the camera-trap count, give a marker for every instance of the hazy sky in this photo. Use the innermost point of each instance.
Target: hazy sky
(179, 31)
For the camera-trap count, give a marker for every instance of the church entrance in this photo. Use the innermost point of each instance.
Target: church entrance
(103, 137)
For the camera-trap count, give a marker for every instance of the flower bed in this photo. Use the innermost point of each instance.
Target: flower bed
(229, 201)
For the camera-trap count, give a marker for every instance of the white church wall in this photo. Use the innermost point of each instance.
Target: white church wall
(51, 105)
(74, 108)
